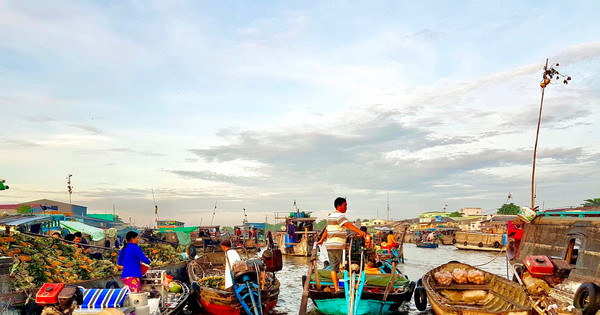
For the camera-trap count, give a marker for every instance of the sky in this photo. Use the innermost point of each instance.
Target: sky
(431, 105)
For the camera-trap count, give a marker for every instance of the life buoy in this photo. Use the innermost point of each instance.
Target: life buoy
(587, 298)
(496, 244)
(420, 298)
(465, 243)
(480, 244)
(453, 241)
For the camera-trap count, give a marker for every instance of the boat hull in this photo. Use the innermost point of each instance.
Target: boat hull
(370, 303)
(503, 297)
(217, 302)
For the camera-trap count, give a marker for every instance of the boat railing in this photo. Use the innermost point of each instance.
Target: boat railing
(580, 214)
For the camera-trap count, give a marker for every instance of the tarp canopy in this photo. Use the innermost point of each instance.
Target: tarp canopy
(258, 226)
(95, 233)
(184, 238)
(373, 280)
(186, 229)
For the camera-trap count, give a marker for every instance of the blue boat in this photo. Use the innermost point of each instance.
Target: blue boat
(371, 298)
(427, 244)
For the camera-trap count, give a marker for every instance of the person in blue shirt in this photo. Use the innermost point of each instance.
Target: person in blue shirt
(130, 259)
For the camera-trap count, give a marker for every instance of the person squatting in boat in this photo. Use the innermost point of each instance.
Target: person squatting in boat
(335, 234)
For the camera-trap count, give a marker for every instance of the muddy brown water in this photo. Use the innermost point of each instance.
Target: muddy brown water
(417, 262)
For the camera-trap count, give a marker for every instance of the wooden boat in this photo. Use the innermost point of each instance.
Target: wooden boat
(371, 298)
(497, 294)
(479, 241)
(570, 236)
(427, 244)
(20, 298)
(224, 301)
(303, 230)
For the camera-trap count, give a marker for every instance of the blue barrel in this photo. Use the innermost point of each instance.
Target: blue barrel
(504, 239)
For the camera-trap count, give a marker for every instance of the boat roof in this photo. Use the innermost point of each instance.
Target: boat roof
(17, 220)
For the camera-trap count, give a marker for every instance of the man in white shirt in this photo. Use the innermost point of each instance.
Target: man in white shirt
(231, 258)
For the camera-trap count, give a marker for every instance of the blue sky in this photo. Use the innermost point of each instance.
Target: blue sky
(257, 104)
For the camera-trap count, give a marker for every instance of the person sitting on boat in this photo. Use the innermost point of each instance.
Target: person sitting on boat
(81, 242)
(430, 237)
(391, 241)
(231, 257)
(335, 233)
(368, 237)
(371, 269)
(130, 259)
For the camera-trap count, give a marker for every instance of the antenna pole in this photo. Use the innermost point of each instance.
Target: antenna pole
(213, 216)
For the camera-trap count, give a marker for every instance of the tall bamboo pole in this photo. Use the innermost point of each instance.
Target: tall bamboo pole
(537, 134)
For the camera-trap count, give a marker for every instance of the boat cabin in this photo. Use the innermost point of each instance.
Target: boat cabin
(565, 237)
(297, 234)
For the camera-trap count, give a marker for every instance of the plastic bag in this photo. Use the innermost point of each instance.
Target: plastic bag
(459, 275)
(443, 277)
(476, 276)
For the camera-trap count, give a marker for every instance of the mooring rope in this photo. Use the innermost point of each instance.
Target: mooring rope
(497, 255)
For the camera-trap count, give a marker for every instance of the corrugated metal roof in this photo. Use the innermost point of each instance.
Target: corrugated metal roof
(16, 220)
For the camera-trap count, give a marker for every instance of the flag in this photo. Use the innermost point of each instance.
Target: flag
(155, 209)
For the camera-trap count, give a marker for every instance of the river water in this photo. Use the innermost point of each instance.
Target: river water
(417, 262)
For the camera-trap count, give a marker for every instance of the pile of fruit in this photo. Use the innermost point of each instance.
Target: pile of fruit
(161, 254)
(214, 282)
(45, 260)
(39, 260)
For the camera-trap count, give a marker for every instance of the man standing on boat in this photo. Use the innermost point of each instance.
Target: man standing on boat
(231, 257)
(335, 233)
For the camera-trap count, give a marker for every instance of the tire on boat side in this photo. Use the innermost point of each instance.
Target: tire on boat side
(480, 244)
(420, 298)
(497, 244)
(587, 298)
(453, 241)
(411, 289)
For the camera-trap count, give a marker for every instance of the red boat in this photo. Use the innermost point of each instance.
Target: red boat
(215, 300)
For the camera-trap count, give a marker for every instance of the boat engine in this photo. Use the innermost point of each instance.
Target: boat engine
(59, 298)
(553, 270)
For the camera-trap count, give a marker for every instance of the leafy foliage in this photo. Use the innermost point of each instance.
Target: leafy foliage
(591, 202)
(455, 214)
(24, 209)
(509, 208)
(321, 225)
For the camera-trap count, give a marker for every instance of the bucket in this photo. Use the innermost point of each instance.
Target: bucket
(154, 305)
(5, 265)
(142, 310)
(526, 214)
(138, 299)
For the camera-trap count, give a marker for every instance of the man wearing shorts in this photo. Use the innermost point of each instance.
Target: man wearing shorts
(335, 233)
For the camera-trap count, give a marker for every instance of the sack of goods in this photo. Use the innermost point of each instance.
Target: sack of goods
(459, 275)
(443, 277)
(475, 276)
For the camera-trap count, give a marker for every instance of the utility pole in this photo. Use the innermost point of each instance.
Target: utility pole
(388, 206)
(213, 216)
(70, 188)
(549, 74)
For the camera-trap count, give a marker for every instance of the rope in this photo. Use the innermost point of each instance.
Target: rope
(497, 255)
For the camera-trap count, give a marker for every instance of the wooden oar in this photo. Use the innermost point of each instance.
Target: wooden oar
(304, 301)
(401, 248)
(390, 284)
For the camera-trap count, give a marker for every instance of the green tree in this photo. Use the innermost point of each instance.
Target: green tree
(455, 214)
(509, 208)
(591, 202)
(24, 209)
(321, 225)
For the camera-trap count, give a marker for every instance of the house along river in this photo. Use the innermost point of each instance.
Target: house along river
(417, 262)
